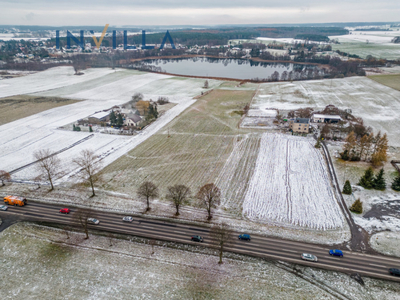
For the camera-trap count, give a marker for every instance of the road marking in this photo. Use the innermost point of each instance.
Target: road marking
(378, 266)
(290, 250)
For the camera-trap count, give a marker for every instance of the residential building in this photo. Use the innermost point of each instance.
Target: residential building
(132, 120)
(301, 125)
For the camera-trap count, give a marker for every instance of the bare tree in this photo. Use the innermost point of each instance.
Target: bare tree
(221, 237)
(137, 97)
(79, 63)
(152, 243)
(90, 166)
(48, 164)
(4, 176)
(209, 196)
(179, 195)
(146, 191)
(80, 218)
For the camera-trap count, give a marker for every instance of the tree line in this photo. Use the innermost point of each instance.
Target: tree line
(208, 196)
(368, 148)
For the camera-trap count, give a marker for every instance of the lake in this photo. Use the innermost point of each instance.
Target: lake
(227, 68)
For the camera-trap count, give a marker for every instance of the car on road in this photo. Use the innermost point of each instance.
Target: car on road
(93, 221)
(3, 207)
(245, 237)
(336, 252)
(197, 238)
(65, 211)
(394, 271)
(309, 257)
(127, 219)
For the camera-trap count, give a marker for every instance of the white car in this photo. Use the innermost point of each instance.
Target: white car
(310, 257)
(3, 207)
(93, 221)
(127, 219)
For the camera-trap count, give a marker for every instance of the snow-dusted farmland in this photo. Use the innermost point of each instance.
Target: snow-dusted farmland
(378, 105)
(100, 89)
(291, 185)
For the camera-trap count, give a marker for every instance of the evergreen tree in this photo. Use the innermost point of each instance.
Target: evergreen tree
(396, 183)
(367, 180)
(120, 120)
(113, 118)
(357, 207)
(155, 113)
(150, 113)
(379, 181)
(347, 188)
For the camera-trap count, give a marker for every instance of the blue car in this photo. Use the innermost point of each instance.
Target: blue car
(245, 237)
(336, 252)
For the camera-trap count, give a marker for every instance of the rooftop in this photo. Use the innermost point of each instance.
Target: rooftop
(327, 116)
(302, 120)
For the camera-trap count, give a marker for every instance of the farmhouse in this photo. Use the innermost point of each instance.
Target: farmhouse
(97, 118)
(301, 125)
(318, 118)
(132, 120)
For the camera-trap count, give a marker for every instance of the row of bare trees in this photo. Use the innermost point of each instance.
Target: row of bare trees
(208, 196)
(49, 167)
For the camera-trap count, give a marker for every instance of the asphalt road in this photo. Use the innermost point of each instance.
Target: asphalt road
(260, 246)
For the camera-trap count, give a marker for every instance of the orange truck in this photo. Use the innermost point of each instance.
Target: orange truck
(14, 200)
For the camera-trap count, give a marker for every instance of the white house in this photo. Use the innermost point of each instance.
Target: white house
(132, 120)
(317, 118)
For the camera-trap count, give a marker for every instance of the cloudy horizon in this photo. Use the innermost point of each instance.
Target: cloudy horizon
(179, 12)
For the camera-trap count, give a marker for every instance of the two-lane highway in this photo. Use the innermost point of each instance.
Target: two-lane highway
(260, 246)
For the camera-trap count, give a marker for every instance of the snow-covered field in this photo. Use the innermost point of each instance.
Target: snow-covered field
(364, 43)
(42, 263)
(291, 185)
(386, 243)
(378, 105)
(100, 89)
(47, 80)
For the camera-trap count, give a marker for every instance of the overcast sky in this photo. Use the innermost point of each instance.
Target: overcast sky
(187, 12)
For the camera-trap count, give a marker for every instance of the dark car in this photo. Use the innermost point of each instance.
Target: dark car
(65, 210)
(197, 238)
(245, 237)
(394, 271)
(336, 252)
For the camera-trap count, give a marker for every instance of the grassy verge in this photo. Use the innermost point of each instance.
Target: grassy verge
(21, 106)
(392, 81)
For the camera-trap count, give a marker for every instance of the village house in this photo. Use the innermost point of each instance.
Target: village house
(132, 120)
(301, 125)
(318, 118)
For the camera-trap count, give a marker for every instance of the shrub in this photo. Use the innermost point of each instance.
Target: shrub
(357, 207)
(162, 100)
(318, 144)
(347, 188)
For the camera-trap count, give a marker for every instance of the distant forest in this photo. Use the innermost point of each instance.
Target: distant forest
(221, 36)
